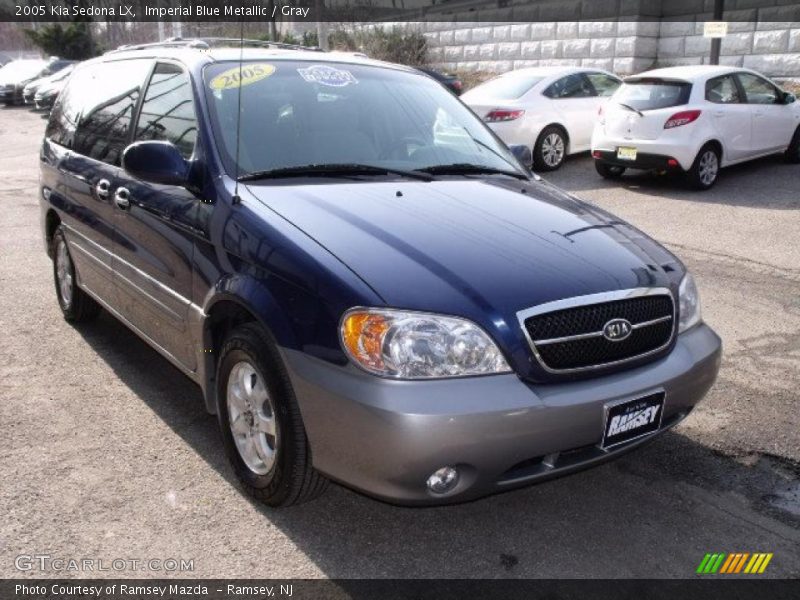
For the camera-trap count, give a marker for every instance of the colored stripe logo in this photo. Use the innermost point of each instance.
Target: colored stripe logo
(737, 562)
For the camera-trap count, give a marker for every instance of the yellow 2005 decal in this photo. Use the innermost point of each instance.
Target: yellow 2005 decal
(241, 76)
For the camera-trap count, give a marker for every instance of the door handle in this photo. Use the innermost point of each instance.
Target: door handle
(122, 198)
(102, 188)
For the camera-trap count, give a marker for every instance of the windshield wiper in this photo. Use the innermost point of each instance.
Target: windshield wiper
(630, 108)
(468, 169)
(332, 170)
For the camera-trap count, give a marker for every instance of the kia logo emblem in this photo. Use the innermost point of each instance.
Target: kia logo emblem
(617, 330)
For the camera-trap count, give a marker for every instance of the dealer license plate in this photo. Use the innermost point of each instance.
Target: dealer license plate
(631, 419)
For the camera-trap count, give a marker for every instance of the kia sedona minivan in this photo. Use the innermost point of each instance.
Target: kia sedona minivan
(694, 120)
(366, 284)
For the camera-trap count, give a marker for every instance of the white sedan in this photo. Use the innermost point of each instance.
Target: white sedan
(695, 120)
(551, 110)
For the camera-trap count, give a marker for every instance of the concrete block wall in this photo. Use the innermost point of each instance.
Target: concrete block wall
(770, 47)
(757, 39)
(623, 47)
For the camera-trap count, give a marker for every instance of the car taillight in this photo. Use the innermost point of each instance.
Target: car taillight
(497, 115)
(682, 118)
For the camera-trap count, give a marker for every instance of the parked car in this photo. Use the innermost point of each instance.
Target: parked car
(365, 283)
(48, 91)
(56, 72)
(551, 110)
(695, 120)
(451, 82)
(17, 74)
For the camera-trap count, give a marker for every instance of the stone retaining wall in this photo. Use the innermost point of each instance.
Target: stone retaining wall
(625, 47)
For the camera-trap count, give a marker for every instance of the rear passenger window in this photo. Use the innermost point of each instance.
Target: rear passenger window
(723, 90)
(571, 86)
(167, 112)
(603, 84)
(104, 98)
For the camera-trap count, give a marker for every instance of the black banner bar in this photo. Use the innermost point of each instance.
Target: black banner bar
(706, 588)
(359, 11)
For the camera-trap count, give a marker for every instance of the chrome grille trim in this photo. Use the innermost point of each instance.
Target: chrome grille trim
(583, 336)
(587, 300)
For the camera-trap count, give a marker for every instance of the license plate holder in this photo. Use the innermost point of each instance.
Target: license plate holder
(626, 153)
(630, 419)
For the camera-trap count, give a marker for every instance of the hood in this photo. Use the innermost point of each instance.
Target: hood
(480, 249)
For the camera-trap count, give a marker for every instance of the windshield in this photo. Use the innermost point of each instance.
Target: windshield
(507, 87)
(297, 113)
(22, 69)
(651, 94)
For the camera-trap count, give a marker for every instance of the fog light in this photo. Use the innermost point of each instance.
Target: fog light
(443, 480)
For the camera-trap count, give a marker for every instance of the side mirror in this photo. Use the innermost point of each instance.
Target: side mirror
(788, 98)
(156, 162)
(523, 154)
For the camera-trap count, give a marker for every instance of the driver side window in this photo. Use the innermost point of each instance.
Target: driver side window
(758, 90)
(167, 111)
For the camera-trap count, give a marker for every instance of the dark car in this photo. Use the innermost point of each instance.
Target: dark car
(366, 284)
(17, 74)
(50, 88)
(57, 70)
(451, 82)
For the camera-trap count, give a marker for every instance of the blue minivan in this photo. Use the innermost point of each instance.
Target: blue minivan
(368, 286)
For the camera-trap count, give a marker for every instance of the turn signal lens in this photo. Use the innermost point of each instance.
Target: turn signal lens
(412, 345)
(498, 114)
(682, 118)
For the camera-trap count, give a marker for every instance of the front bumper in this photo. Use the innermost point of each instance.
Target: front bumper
(43, 102)
(386, 437)
(11, 96)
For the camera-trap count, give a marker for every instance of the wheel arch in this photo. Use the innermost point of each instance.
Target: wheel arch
(51, 223)
(235, 302)
(563, 129)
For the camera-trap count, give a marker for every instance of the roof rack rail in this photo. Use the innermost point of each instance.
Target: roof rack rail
(213, 42)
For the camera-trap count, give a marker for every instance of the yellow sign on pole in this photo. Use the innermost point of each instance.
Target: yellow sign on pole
(715, 29)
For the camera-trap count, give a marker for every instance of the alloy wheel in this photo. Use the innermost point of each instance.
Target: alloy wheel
(553, 150)
(708, 167)
(64, 273)
(251, 416)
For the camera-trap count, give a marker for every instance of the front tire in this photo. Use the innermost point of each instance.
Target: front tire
(550, 149)
(76, 305)
(705, 169)
(793, 151)
(607, 171)
(260, 421)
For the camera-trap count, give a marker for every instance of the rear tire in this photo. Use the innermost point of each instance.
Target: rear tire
(607, 171)
(267, 444)
(76, 305)
(550, 149)
(793, 151)
(705, 170)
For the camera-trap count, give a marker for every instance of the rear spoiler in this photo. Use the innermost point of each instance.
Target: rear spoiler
(656, 80)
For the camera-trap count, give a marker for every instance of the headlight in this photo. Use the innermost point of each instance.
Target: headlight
(412, 345)
(689, 305)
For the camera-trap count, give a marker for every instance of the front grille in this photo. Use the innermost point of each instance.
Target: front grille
(572, 338)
